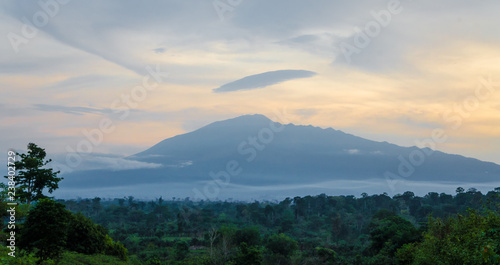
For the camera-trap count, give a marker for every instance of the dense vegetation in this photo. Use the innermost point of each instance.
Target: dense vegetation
(404, 229)
(319, 229)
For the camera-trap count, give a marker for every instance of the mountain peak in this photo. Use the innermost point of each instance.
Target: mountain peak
(242, 121)
(251, 118)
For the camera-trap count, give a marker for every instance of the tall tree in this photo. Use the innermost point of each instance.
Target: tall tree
(45, 230)
(33, 176)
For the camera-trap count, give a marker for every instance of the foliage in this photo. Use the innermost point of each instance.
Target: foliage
(33, 177)
(325, 255)
(317, 230)
(371, 229)
(248, 255)
(115, 249)
(66, 258)
(388, 233)
(248, 235)
(84, 236)
(469, 239)
(73, 258)
(281, 247)
(45, 230)
(181, 250)
(50, 230)
(88, 238)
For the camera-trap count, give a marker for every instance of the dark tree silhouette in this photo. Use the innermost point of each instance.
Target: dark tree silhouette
(33, 176)
(45, 230)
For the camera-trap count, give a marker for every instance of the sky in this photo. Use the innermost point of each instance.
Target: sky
(124, 75)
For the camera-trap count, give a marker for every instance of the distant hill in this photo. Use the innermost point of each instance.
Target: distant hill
(256, 151)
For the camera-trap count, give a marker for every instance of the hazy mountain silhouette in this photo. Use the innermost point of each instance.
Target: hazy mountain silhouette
(285, 155)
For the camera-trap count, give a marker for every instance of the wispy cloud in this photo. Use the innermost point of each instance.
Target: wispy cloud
(306, 113)
(159, 50)
(263, 80)
(352, 151)
(72, 110)
(103, 162)
(84, 82)
(116, 163)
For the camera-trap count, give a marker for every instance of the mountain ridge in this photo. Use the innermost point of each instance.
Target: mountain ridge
(270, 154)
(223, 137)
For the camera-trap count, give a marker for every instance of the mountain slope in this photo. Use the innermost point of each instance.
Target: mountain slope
(255, 151)
(305, 153)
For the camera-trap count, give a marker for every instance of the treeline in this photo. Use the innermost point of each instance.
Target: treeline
(376, 229)
(403, 229)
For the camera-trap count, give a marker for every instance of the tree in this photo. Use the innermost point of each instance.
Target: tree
(469, 239)
(84, 236)
(388, 233)
(213, 234)
(472, 190)
(116, 249)
(45, 230)
(248, 235)
(327, 256)
(226, 241)
(281, 247)
(408, 195)
(33, 177)
(50, 229)
(3, 200)
(248, 255)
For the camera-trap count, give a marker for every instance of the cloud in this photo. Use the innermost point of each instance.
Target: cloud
(306, 113)
(263, 80)
(317, 43)
(418, 123)
(116, 163)
(102, 34)
(159, 50)
(99, 161)
(352, 151)
(72, 110)
(85, 82)
(190, 118)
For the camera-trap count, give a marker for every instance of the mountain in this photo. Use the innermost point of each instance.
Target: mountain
(254, 151)
(305, 153)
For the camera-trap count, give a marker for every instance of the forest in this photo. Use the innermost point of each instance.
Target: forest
(438, 228)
